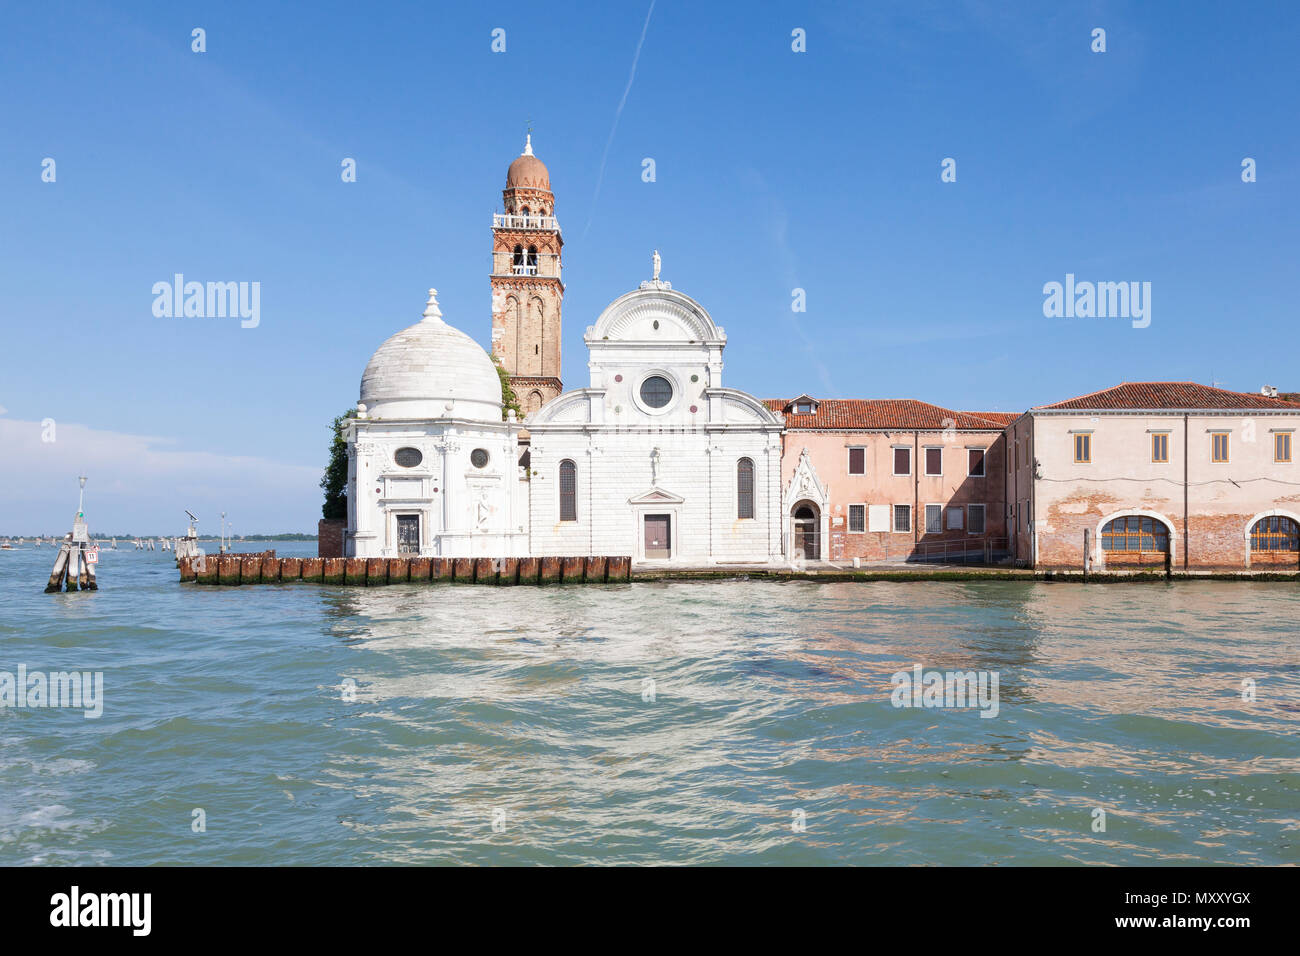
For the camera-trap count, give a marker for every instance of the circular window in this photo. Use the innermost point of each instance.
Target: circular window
(656, 391)
(478, 457)
(408, 457)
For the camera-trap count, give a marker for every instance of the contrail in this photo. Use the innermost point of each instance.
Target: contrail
(600, 176)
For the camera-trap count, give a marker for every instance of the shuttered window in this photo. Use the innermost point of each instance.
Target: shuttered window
(857, 461)
(744, 488)
(902, 461)
(568, 491)
(934, 461)
(975, 518)
(975, 462)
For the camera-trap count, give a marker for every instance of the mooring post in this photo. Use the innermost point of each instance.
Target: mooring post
(1087, 551)
(60, 569)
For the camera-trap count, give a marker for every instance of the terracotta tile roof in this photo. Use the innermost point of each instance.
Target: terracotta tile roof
(998, 418)
(1169, 395)
(836, 414)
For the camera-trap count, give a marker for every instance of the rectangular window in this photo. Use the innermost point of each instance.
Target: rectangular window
(975, 462)
(857, 518)
(1282, 446)
(1083, 449)
(975, 518)
(934, 519)
(955, 516)
(1220, 449)
(857, 461)
(902, 460)
(902, 517)
(934, 461)
(1160, 447)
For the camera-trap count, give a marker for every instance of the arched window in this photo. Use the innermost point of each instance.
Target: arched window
(1275, 533)
(568, 491)
(745, 488)
(532, 259)
(534, 402)
(1135, 534)
(518, 261)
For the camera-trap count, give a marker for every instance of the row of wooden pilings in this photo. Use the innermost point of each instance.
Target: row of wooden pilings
(262, 569)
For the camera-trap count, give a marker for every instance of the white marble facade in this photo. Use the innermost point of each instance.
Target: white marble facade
(432, 467)
(656, 459)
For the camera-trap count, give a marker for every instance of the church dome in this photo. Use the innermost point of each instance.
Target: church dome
(528, 172)
(431, 370)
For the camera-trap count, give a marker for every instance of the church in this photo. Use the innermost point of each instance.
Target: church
(655, 459)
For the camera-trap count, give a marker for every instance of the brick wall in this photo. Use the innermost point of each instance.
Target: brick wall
(329, 534)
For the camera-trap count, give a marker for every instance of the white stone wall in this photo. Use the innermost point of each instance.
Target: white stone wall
(633, 460)
(464, 510)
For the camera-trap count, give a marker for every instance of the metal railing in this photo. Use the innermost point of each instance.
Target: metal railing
(507, 221)
(958, 551)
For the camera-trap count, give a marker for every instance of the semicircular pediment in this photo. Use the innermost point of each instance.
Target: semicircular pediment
(656, 314)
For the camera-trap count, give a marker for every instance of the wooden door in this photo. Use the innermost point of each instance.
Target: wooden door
(658, 536)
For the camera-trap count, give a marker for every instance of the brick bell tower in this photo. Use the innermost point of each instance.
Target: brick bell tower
(527, 291)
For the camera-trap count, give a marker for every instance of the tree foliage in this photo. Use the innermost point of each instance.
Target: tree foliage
(335, 479)
(508, 398)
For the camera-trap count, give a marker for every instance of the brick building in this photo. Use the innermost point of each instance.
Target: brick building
(1149, 472)
(891, 480)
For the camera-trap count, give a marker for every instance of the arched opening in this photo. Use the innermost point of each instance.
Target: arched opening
(533, 403)
(1134, 539)
(532, 261)
(745, 488)
(518, 261)
(1275, 539)
(568, 491)
(807, 526)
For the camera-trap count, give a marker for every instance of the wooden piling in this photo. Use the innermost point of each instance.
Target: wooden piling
(463, 571)
(574, 570)
(529, 569)
(250, 570)
(60, 570)
(313, 570)
(399, 570)
(228, 569)
(291, 569)
(419, 570)
(597, 566)
(376, 571)
(440, 569)
(205, 569)
(551, 570)
(354, 571)
(508, 571)
(619, 569)
(334, 571)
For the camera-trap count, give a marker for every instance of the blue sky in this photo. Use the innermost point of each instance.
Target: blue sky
(775, 170)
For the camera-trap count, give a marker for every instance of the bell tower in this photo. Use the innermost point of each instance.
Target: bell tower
(527, 291)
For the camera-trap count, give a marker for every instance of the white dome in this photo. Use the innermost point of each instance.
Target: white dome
(431, 370)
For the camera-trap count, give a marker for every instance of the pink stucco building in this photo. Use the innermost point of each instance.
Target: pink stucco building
(1146, 473)
(891, 480)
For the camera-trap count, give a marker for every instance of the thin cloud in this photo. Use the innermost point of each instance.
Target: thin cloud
(600, 176)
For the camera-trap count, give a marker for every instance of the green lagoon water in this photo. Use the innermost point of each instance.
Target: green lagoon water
(527, 706)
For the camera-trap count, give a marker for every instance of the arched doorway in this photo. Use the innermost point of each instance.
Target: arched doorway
(807, 526)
